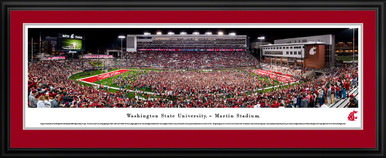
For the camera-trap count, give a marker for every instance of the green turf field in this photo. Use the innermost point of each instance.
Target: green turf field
(130, 75)
(109, 81)
(266, 79)
(97, 63)
(346, 58)
(87, 74)
(92, 73)
(133, 73)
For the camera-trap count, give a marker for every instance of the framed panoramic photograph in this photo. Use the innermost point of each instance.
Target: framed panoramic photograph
(193, 78)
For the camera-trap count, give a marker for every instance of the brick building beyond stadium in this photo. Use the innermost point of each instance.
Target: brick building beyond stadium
(315, 52)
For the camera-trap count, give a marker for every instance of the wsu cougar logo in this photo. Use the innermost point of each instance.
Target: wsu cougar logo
(351, 116)
(312, 51)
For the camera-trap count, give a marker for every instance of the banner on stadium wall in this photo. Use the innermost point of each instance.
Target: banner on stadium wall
(196, 50)
(98, 56)
(56, 58)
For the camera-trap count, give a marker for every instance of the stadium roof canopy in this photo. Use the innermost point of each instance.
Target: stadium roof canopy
(286, 44)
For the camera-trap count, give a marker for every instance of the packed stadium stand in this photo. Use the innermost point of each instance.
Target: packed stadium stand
(192, 71)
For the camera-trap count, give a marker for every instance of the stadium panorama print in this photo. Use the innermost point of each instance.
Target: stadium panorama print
(229, 68)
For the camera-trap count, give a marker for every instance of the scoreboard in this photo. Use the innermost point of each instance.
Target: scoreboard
(71, 43)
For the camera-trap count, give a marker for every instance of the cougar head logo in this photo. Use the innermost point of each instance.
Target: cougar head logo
(312, 51)
(351, 116)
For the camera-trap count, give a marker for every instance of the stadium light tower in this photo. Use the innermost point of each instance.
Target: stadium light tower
(196, 33)
(159, 33)
(353, 44)
(261, 38)
(170, 33)
(121, 37)
(183, 33)
(220, 33)
(232, 34)
(147, 33)
(208, 33)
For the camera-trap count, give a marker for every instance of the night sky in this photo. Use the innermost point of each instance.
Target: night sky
(106, 38)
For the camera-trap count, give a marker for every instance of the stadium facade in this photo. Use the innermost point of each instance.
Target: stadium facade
(186, 42)
(315, 52)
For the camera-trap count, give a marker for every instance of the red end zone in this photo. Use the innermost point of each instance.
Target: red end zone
(279, 76)
(103, 76)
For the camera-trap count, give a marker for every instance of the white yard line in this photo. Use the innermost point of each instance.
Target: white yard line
(76, 72)
(116, 87)
(277, 86)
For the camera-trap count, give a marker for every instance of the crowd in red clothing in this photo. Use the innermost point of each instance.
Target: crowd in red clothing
(52, 78)
(229, 88)
(284, 69)
(191, 83)
(314, 93)
(190, 60)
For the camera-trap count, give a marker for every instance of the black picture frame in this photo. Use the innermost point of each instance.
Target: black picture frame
(8, 5)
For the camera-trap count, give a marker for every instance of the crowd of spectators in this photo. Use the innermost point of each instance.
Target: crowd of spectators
(190, 60)
(312, 93)
(298, 72)
(189, 43)
(190, 83)
(49, 85)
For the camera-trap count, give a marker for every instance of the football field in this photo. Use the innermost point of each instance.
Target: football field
(120, 79)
